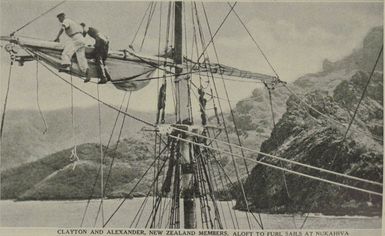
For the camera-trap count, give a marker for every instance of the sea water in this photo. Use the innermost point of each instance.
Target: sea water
(70, 214)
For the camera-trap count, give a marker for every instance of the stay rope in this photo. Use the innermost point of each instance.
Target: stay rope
(34, 19)
(140, 25)
(113, 158)
(6, 98)
(260, 223)
(150, 15)
(136, 185)
(284, 159)
(253, 39)
(74, 155)
(281, 164)
(199, 70)
(364, 91)
(107, 146)
(37, 97)
(328, 117)
(284, 169)
(101, 157)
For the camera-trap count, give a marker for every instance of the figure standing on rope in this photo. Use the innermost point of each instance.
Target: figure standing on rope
(77, 44)
(100, 53)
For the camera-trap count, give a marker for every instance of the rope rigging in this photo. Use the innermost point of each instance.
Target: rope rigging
(101, 156)
(202, 102)
(139, 26)
(114, 149)
(74, 155)
(252, 38)
(233, 118)
(37, 97)
(364, 91)
(6, 97)
(150, 15)
(98, 172)
(34, 19)
(328, 117)
(284, 169)
(285, 160)
(197, 52)
(268, 88)
(137, 183)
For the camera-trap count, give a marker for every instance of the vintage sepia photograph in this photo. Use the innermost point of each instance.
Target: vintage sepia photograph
(264, 118)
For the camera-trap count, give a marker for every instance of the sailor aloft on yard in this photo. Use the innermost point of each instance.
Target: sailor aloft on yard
(100, 52)
(76, 45)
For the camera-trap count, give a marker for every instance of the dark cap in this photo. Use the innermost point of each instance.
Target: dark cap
(82, 24)
(60, 14)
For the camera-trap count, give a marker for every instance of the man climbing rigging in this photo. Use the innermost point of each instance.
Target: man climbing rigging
(100, 53)
(74, 31)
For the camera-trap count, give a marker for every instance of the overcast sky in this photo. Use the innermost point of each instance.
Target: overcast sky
(296, 37)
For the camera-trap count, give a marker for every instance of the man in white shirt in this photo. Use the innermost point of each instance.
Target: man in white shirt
(77, 44)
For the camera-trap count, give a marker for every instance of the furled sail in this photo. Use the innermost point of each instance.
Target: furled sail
(129, 70)
(127, 73)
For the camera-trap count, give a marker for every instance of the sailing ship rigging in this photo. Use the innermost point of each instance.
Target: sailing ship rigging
(187, 172)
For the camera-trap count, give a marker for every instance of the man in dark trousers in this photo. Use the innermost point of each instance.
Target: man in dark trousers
(100, 52)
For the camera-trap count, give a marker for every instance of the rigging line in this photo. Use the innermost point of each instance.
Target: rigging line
(304, 221)
(281, 164)
(159, 40)
(364, 91)
(34, 19)
(234, 122)
(151, 14)
(197, 46)
(95, 98)
(252, 38)
(233, 185)
(285, 160)
(37, 97)
(139, 213)
(116, 146)
(185, 32)
(287, 170)
(273, 120)
(326, 116)
(222, 182)
(213, 36)
(74, 155)
(211, 188)
(140, 24)
(225, 88)
(101, 156)
(6, 98)
(98, 172)
(136, 185)
(210, 166)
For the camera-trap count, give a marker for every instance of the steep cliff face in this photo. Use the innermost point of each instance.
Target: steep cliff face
(303, 135)
(306, 136)
(253, 115)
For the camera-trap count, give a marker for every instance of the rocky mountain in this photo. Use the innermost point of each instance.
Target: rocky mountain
(303, 135)
(24, 140)
(253, 115)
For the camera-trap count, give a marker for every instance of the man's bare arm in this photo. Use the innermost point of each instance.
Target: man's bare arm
(58, 35)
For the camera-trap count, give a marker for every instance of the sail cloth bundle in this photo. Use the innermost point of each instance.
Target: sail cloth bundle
(128, 72)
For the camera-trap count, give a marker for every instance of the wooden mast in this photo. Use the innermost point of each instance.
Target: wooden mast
(182, 101)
